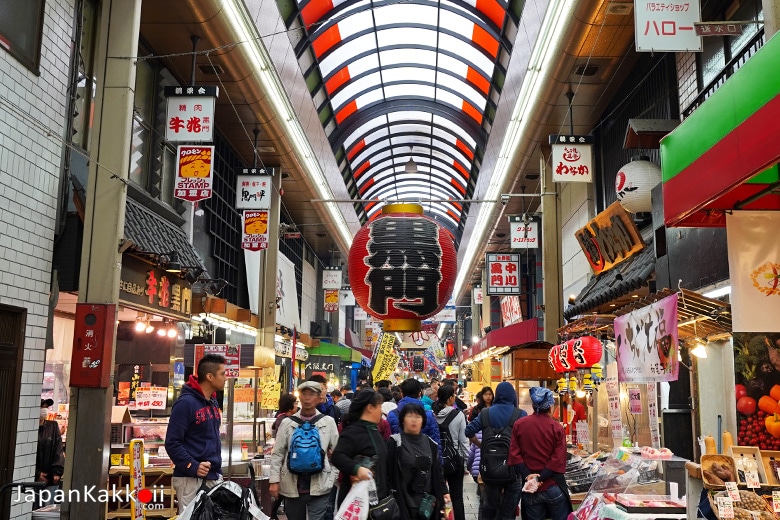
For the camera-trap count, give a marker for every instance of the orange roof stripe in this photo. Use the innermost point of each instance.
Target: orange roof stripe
(316, 9)
(362, 189)
(478, 80)
(338, 79)
(493, 10)
(347, 111)
(482, 38)
(356, 149)
(457, 205)
(371, 205)
(466, 107)
(458, 187)
(460, 145)
(361, 169)
(453, 215)
(461, 169)
(327, 40)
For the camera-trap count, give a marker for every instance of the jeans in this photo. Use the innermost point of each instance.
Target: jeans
(500, 502)
(296, 508)
(550, 503)
(455, 485)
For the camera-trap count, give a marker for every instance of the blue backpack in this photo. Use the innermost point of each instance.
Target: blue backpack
(305, 456)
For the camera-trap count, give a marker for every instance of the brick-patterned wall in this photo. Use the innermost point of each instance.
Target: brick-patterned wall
(32, 110)
(686, 78)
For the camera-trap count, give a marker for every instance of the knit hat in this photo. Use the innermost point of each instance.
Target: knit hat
(542, 398)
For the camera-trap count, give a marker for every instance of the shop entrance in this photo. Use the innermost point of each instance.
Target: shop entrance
(12, 323)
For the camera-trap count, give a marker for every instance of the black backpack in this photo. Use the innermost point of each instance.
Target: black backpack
(494, 453)
(452, 461)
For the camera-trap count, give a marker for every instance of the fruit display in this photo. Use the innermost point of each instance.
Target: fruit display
(757, 371)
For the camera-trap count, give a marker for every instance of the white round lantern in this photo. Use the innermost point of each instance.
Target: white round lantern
(634, 182)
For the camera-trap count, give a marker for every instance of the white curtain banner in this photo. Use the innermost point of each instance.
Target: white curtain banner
(754, 269)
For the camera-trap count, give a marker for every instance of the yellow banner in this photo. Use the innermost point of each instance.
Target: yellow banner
(385, 366)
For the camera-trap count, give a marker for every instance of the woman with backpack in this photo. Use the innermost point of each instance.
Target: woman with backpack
(415, 472)
(454, 445)
(361, 452)
(484, 400)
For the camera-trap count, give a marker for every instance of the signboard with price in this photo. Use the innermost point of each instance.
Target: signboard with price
(151, 398)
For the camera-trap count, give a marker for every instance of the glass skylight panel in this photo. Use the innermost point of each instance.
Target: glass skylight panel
(403, 12)
(406, 36)
(363, 64)
(409, 90)
(352, 89)
(464, 89)
(400, 56)
(367, 153)
(381, 133)
(457, 47)
(344, 52)
(456, 66)
(410, 128)
(455, 22)
(446, 123)
(409, 115)
(369, 97)
(364, 129)
(408, 74)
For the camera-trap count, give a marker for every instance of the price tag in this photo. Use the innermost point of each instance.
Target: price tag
(725, 507)
(731, 488)
(751, 477)
(776, 501)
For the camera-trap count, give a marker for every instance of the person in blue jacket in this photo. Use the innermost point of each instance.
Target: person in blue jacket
(192, 440)
(411, 389)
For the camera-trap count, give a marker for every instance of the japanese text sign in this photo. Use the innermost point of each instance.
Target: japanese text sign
(255, 235)
(646, 342)
(666, 26)
(613, 397)
(524, 235)
(385, 358)
(476, 295)
(331, 278)
(717, 29)
(137, 478)
(510, 310)
(331, 300)
(190, 115)
(231, 353)
(609, 238)
(503, 273)
(151, 397)
(572, 158)
(194, 173)
(154, 289)
(652, 413)
(634, 400)
(93, 338)
(253, 191)
(270, 393)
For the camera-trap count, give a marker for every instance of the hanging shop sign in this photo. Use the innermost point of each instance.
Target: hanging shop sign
(717, 28)
(253, 191)
(510, 310)
(190, 114)
(194, 173)
(284, 349)
(255, 230)
(609, 238)
(231, 353)
(346, 297)
(524, 234)
(646, 342)
(503, 273)
(331, 278)
(149, 288)
(666, 26)
(572, 158)
(331, 300)
(447, 315)
(476, 295)
(402, 267)
(323, 365)
(754, 269)
(359, 314)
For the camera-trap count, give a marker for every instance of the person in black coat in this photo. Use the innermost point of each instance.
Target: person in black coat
(361, 452)
(414, 465)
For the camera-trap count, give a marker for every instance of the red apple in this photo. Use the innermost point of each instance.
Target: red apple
(746, 405)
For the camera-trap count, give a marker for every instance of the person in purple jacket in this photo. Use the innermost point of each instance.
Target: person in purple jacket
(192, 440)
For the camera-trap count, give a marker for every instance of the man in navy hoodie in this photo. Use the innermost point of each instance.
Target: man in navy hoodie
(192, 440)
(411, 389)
(499, 502)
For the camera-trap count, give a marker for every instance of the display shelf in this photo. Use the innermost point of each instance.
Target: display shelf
(746, 457)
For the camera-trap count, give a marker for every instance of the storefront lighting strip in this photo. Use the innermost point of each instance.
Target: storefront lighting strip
(540, 66)
(280, 103)
(717, 293)
(227, 324)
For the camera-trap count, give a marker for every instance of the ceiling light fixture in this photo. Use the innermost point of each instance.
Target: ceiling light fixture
(411, 166)
(700, 350)
(149, 328)
(140, 324)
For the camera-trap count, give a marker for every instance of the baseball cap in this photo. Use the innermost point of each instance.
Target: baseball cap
(310, 385)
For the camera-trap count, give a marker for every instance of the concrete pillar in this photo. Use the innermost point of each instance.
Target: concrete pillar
(269, 267)
(551, 258)
(771, 17)
(89, 424)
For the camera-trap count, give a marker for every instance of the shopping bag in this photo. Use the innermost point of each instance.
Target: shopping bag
(355, 505)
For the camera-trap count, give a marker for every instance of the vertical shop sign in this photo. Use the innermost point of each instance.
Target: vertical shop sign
(137, 482)
(476, 295)
(666, 26)
(190, 114)
(646, 342)
(178, 374)
(524, 233)
(634, 400)
(652, 412)
(93, 338)
(503, 273)
(510, 310)
(253, 191)
(255, 230)
(609, 238)
(331, 300)
(572, 158)
(231, 353)
(194, 173)
(613, 397)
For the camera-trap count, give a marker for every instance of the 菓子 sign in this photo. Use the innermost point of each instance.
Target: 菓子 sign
(190, 115)
(253, 191)
(646, 341)
(666, 26)
(193, 173)
(572, 158)
(503, 273)
(255, 235)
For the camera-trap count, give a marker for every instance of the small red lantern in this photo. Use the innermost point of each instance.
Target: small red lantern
(554, 357)
(402, 267)
(581, 352)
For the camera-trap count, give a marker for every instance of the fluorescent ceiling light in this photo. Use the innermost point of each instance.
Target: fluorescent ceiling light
(717, 293)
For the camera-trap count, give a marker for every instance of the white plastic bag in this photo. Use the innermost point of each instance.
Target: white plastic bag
(355, 505)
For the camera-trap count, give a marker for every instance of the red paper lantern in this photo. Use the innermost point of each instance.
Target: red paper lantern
(402, 267)
(554, 357)
(581, 352)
